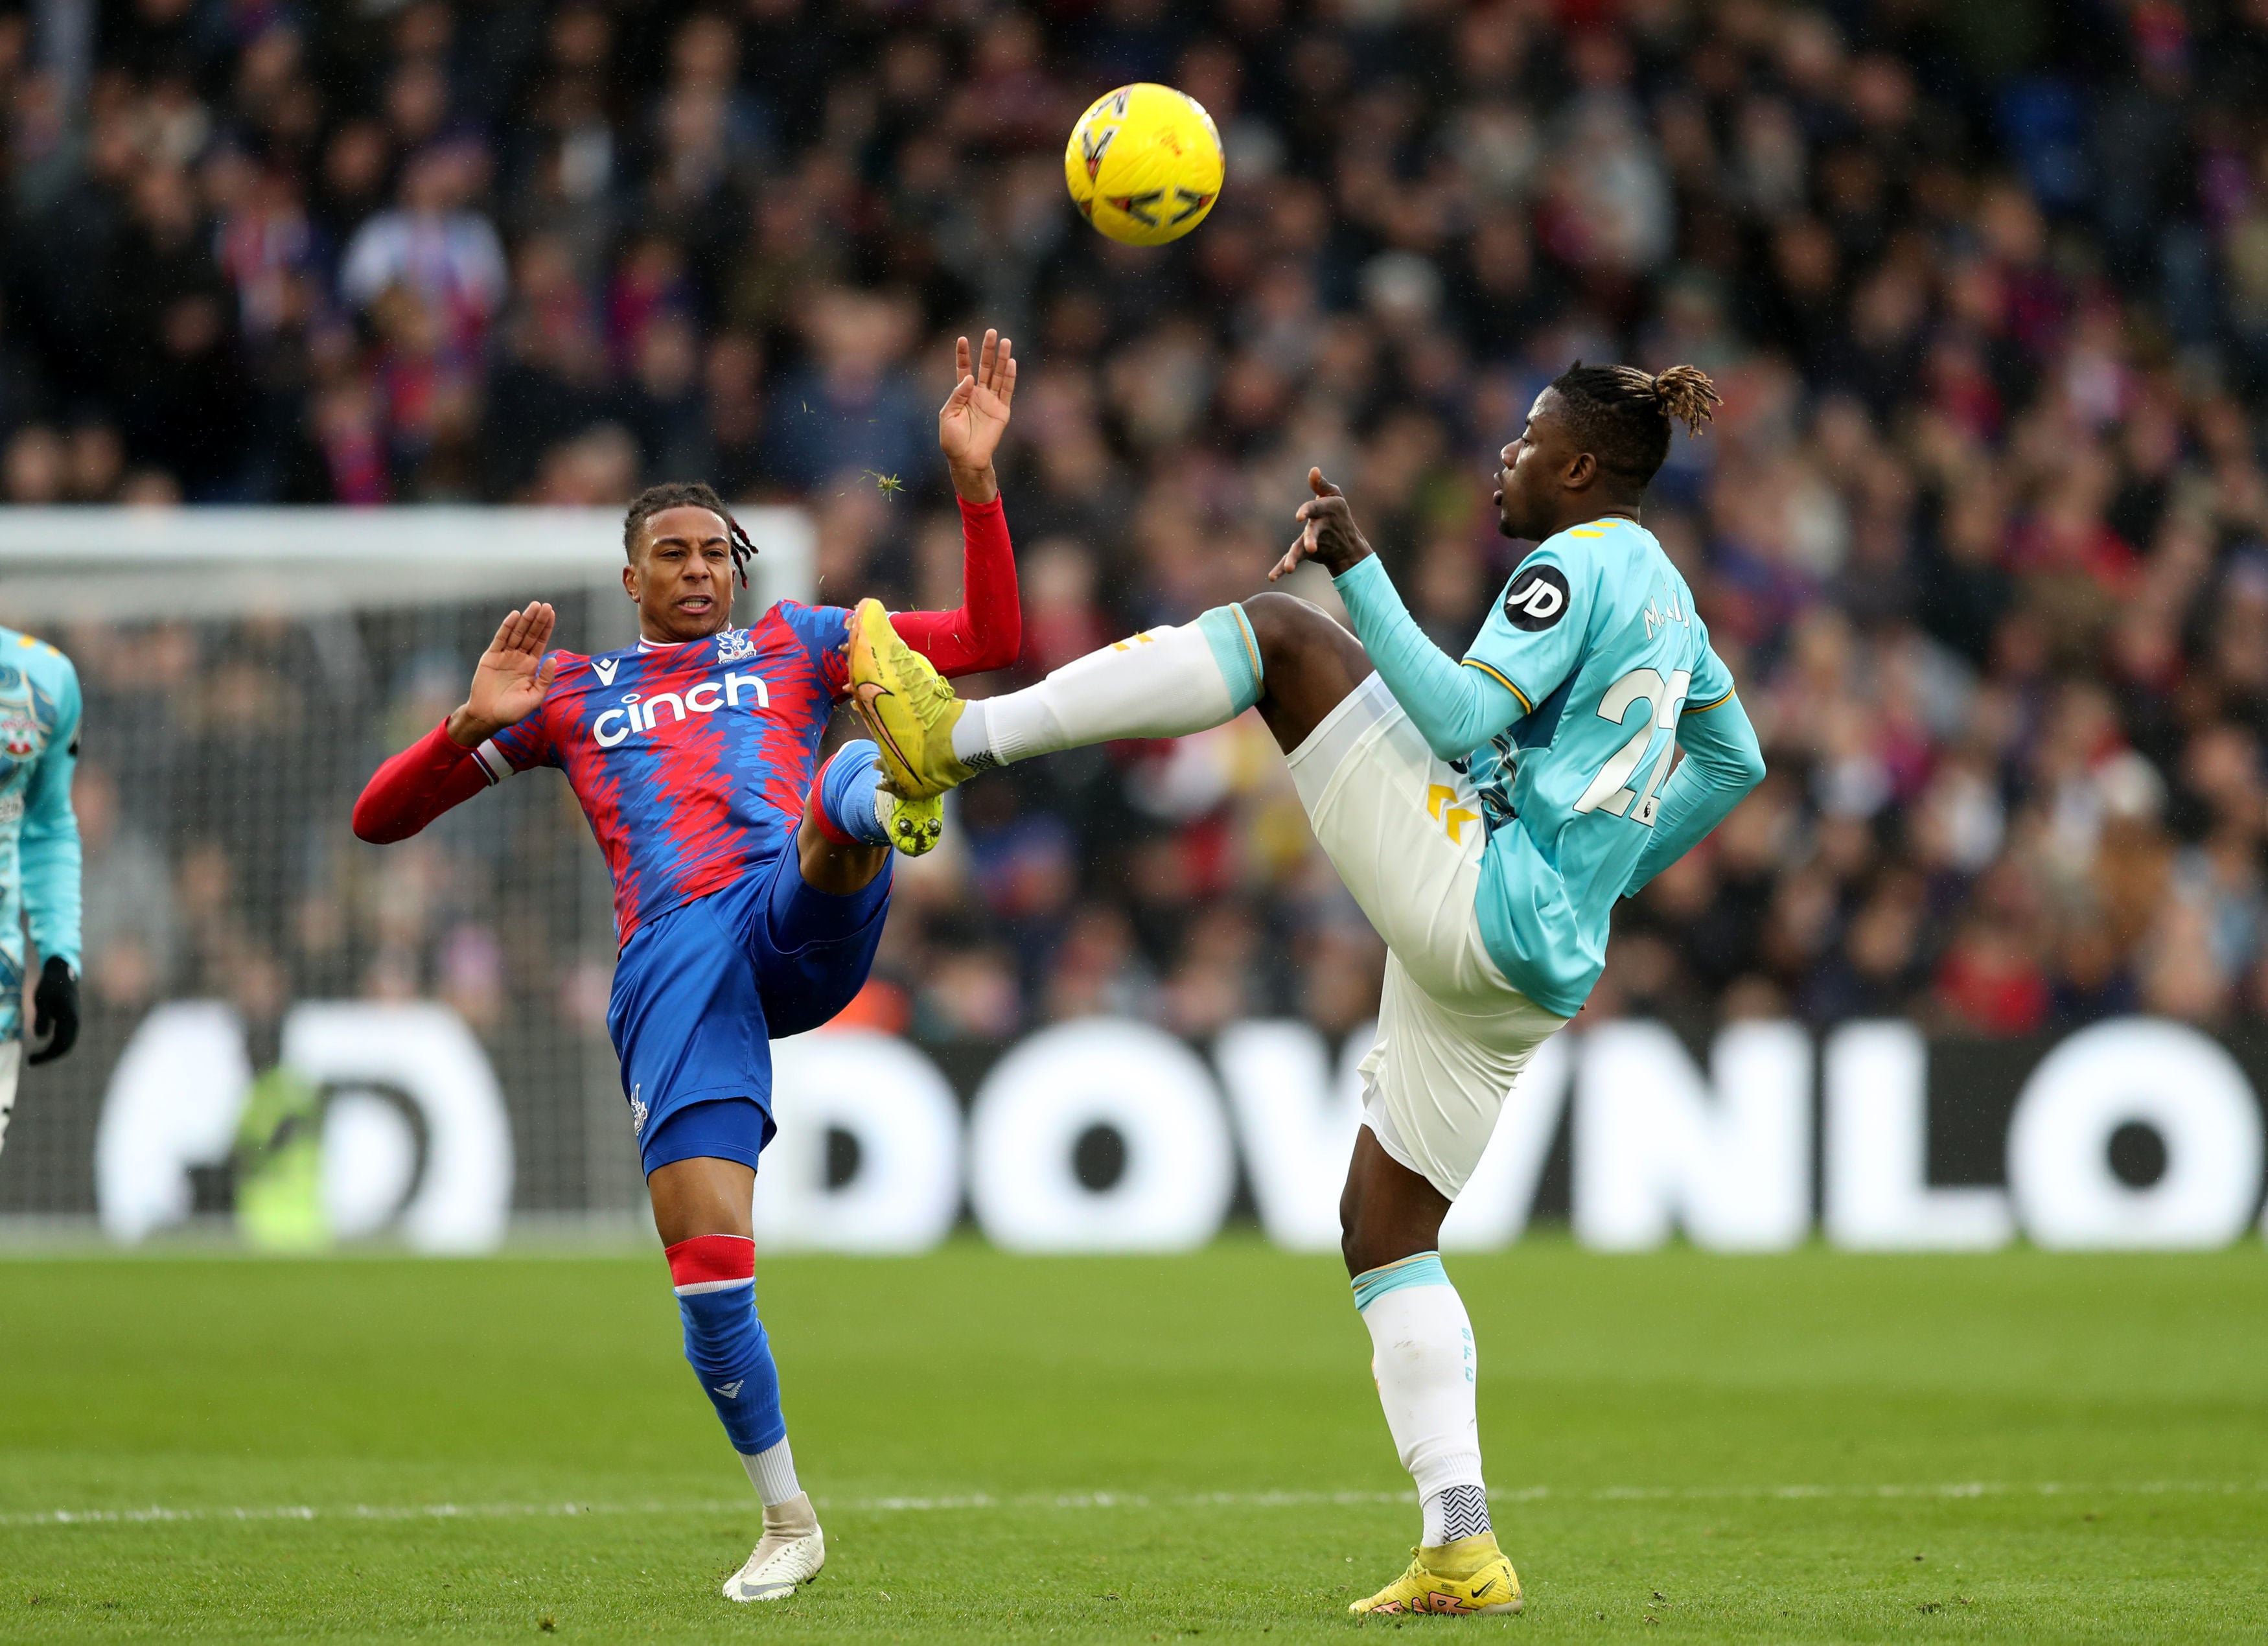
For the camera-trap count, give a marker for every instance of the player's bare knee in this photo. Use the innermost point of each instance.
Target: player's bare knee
(1359, 1251)
(1291, 631)
(1373, 1242)
(1351, 1243)
(1374, 1233)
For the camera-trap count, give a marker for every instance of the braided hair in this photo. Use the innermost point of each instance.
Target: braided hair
(678, 494)
(1621, 415)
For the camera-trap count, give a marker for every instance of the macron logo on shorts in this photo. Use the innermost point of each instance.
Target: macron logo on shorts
(712, 1263)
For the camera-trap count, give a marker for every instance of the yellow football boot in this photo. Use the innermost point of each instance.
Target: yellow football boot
(906, 707)
(1493, 1586)
(915, 826)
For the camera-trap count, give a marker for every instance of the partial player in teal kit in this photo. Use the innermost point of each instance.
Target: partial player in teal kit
(39, 853)
(1485, 811)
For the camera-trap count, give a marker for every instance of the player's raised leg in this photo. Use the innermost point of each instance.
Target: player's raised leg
(1279, 653)
(1307, 676)
(701, 1209)
(852, 813)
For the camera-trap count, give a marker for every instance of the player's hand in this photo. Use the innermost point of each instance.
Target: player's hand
(54, 1012)
(512, 678)
(974, 415)
(1327, 532)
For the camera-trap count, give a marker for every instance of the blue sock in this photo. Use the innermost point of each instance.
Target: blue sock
(715, 1276)
(846, 795)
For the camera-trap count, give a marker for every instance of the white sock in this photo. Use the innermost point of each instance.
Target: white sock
(1163, 683)
(972, 745)
(772, 1472)
(1422, 1357)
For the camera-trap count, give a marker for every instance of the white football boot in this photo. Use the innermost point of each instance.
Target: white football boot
(790, 1553)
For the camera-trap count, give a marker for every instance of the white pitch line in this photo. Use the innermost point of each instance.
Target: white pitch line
(161, 1514)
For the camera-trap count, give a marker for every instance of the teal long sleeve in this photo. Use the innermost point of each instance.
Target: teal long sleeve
(1456, 708)
(1723, 762)
(48, 847)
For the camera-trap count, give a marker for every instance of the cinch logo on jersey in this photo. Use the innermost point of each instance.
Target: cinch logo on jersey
(691, 761)
(638, 714)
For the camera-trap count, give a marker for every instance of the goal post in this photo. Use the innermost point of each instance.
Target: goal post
(230, 561)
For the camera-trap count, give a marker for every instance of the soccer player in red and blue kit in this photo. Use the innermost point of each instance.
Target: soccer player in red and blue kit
(749, 895)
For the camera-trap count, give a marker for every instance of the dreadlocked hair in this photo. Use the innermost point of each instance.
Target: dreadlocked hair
(679, 494)
(1621, 416)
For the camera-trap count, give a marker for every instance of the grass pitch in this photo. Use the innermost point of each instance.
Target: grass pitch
(1820, 1447)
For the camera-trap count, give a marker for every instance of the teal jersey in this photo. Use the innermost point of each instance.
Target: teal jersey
(39, 833)
(1595, 635)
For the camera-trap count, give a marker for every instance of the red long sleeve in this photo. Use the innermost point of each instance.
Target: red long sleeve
(416, 786)
(988, 631)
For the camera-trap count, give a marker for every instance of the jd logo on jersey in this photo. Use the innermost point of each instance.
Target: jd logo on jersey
(1536, 600)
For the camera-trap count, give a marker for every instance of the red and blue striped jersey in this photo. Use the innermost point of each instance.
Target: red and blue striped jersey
(691, 761)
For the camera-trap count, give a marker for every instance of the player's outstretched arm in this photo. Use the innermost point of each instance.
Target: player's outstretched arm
(1723, 762)
(437, 772)
(1456, 708)
(986, 630)
(974, 415)
(512, 677)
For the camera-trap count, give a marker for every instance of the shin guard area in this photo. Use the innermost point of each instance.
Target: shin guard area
(715, 1279)
(1422, 1356)
(1163, 683)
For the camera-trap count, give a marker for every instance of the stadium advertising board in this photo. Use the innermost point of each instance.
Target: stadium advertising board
(1110, 1135)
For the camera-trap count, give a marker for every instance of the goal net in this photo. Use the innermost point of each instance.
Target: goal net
(244, 672)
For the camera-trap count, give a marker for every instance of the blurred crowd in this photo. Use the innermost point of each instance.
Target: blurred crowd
(1982, 526)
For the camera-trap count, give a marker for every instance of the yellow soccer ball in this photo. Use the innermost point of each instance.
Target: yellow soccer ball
(1144, 164)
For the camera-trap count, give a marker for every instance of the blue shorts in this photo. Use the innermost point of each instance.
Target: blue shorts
(700, 993)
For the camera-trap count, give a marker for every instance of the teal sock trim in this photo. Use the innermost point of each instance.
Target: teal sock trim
(1423, 1268)
(1237, 650)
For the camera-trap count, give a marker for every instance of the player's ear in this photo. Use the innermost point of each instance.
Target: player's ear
(1581, 470)
(631, 579)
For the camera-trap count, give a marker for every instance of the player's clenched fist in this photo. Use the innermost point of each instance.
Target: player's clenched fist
(509, 681)
(1327, 532)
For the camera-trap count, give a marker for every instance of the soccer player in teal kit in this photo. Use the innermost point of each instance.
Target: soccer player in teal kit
(1485, 812)
(39, 854)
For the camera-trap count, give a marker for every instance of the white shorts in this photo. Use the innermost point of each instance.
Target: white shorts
(1405, 831)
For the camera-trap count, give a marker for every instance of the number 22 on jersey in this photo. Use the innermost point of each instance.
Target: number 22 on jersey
(1610, 791)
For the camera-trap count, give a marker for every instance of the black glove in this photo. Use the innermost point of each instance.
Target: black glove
(54, 1011)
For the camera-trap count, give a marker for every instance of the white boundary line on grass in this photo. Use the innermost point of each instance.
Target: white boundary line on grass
(159, 1515)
